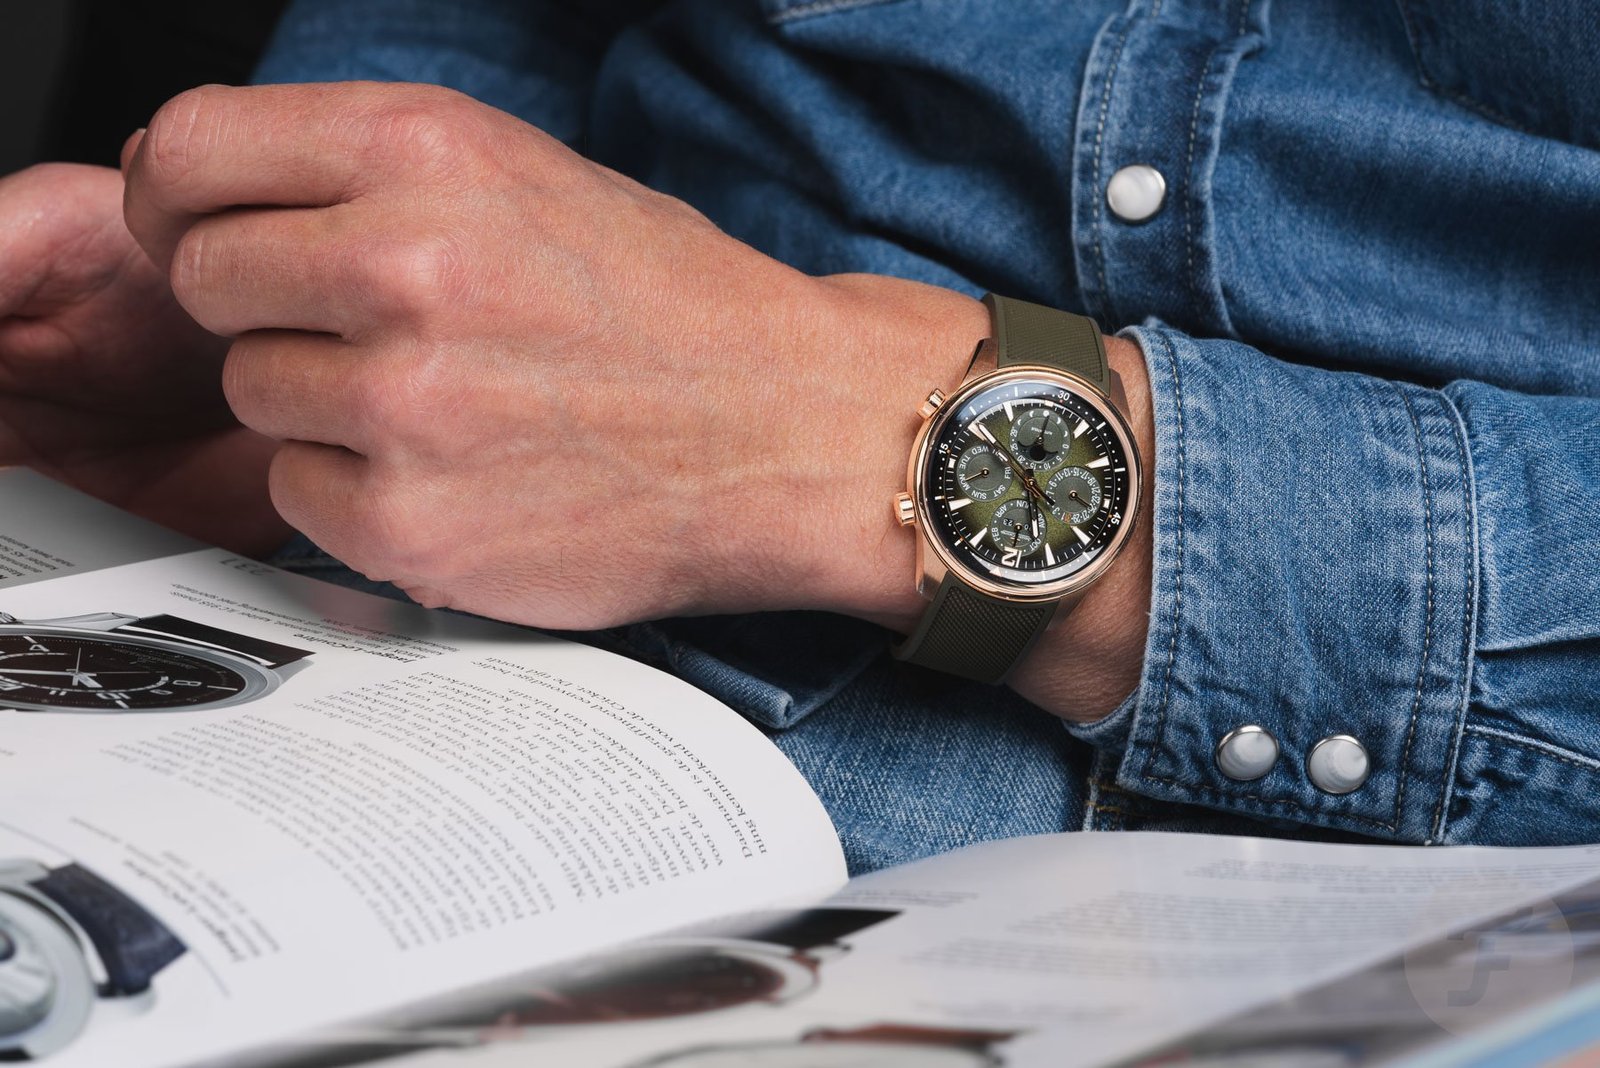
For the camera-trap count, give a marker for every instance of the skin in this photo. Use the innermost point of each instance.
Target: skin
(468, 361)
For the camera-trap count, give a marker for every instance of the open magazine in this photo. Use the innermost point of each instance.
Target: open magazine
(251, 818)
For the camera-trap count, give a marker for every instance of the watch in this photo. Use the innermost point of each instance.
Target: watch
(109, 662)
(1024, 486)
(763, 958)
(881, 1045)
(69, 939)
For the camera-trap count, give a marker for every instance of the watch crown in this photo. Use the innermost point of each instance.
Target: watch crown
(931, 405)
(904, 509)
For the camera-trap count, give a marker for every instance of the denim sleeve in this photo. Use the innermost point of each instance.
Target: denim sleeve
(1416, 568)
(536, 60)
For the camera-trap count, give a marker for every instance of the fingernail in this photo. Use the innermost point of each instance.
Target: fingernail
(130, 146)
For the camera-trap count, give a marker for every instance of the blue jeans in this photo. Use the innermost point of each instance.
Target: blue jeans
(1369, 305)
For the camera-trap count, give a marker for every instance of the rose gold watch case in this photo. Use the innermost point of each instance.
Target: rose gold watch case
(934, 560)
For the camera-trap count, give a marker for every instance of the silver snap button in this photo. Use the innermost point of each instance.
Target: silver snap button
(1136, 192)
(1247, 753)
(1338, 764)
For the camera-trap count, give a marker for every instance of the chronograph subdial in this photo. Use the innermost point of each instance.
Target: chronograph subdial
(983, 474)
(1039, 437)
(1074, 494)
(1018, 528)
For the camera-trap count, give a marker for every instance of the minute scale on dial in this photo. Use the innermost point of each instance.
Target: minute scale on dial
(1024, 531)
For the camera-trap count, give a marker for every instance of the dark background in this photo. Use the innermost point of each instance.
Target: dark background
(78, 76)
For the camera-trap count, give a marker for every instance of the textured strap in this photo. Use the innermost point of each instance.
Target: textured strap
(964, 632)
(967, 633)
(1032, 333)
(263, 652)
(133, 945)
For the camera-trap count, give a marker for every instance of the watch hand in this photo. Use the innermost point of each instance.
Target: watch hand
(1022, 473)
(71, 674)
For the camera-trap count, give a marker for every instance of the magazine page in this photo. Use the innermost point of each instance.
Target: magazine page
(1488, 984)
(49, 529)
(1076, 949)
(237, 803)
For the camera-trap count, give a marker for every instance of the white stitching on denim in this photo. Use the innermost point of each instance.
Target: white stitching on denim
(1554, 752)
(821, 7)
(1177, 602)
(1097, 195)
(1177, 609)
(1469, 615)
(1427, 625)
(1091, 801)
(1188, 172)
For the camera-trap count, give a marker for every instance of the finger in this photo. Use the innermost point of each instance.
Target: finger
(338, 500)
(298, 386)
(276, 269)
(59, 235)
(317, 489)
(218, 147)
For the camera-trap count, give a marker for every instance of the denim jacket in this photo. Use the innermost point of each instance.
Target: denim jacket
(1369, 304)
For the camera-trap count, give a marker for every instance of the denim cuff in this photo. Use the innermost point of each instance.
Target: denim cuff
(1111, 730)
(1314, 575)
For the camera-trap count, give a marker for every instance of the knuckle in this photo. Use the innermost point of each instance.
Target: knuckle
(416, 276)
(427, 131)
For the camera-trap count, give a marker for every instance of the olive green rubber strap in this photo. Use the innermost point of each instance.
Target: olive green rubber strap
(1032, 333)
(965, 632)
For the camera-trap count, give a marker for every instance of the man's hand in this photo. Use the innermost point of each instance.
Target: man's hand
(105, 383)
(515, 382)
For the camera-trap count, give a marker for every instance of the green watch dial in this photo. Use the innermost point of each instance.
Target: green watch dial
(1027, 482)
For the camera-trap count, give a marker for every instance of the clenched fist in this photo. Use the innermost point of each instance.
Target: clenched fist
(514, 382)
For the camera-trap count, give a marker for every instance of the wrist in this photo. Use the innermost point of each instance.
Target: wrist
(1090, 660)
(894, 342)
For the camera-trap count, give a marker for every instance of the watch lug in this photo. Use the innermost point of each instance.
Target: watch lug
(985, 359)
(931, 571)
(1119, 395)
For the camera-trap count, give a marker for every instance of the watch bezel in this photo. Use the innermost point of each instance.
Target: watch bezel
(936, 565)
